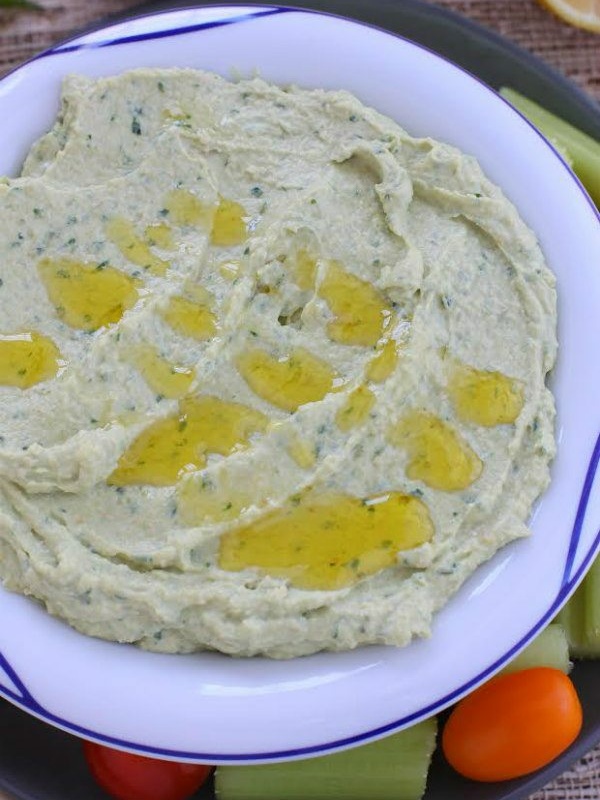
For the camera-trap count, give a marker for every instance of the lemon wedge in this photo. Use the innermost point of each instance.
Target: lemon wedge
(581, 13)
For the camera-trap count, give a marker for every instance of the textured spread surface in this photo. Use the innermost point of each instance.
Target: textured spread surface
(575, 53)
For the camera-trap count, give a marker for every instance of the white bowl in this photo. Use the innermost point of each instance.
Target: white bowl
(216, 709)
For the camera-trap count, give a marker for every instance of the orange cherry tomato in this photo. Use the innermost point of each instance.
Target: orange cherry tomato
(512, 725)
(127, 776)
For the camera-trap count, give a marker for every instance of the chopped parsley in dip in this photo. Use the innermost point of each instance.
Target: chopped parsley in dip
(272, 371)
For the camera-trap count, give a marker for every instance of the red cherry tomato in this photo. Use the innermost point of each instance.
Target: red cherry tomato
(512, 725)
(127, 776)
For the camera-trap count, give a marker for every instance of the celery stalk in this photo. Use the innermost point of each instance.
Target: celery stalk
(550, 648)
(581, 616)
(395, 767)
(25, 4)
(582, 151)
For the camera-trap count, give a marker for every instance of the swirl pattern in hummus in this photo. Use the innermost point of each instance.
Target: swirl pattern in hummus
(272, 371)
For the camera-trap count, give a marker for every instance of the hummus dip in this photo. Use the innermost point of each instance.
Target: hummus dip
(272, 371)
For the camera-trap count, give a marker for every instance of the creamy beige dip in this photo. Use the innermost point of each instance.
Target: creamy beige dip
(272, 371)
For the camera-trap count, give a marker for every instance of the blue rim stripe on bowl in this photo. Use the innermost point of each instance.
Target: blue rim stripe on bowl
(570, 578)
(22, 695)
(581, 509)
(141, 37)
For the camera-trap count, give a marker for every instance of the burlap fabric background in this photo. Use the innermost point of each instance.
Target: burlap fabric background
(576, 53)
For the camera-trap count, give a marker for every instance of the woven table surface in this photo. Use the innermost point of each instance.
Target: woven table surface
(574, 52)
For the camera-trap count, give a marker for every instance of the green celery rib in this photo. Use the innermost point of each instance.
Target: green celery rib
(26, 4)
(581, 150)
(581, 616)
(550, 648)
(394, 768)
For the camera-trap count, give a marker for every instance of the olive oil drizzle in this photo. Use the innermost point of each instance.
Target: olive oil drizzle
(228, 225)
(27, 359)
(200, 502)
(87, 296)
(356, 409)
(383, 364)
(164, 378)
(185, 209)
(361, 312)
(159, 234)
(304, 267)
(225, 220)
(485, 397)
(437, 454)
(122, 233)
(181, 442)
(328, 541)
(191, 314)
(287, 382)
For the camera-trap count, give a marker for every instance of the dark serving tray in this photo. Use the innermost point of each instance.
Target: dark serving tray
(39, 762)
